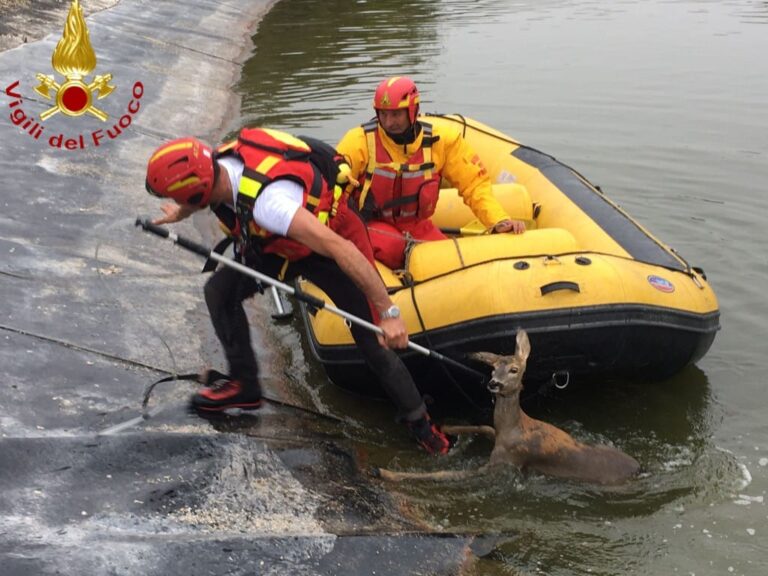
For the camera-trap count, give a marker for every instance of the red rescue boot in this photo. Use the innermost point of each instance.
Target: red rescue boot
(429, 436)
(220, 392)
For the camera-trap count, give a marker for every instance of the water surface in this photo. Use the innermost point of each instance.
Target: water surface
(662, 104)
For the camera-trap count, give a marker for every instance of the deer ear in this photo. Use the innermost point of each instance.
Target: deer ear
(485, 357)
(523, 345)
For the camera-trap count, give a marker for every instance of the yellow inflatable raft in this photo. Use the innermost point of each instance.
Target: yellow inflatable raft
(599, 296)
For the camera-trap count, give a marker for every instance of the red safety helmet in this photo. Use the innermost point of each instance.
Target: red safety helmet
(183, 170)
(396, 93)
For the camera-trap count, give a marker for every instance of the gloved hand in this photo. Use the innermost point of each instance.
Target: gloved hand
(345, 177)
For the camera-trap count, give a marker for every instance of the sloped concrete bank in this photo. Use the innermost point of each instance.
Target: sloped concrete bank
(91, 310)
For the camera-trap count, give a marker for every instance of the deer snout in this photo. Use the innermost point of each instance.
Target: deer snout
(494, 386)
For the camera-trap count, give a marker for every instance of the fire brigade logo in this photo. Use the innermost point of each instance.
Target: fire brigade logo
(74, 58)
(385, 101)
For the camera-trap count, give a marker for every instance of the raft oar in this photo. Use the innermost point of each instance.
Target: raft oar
(313, 301)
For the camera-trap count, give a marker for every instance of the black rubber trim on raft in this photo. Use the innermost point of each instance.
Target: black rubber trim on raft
(617, 225)
(644, 353)
(560, 323)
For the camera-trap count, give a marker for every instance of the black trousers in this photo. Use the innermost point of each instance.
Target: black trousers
(227, 288)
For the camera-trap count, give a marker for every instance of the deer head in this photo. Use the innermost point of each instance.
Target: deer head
(507, 376)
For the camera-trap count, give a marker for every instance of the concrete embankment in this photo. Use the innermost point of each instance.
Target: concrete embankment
(91, 310)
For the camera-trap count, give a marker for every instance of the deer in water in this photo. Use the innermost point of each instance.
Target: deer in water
(525, 442)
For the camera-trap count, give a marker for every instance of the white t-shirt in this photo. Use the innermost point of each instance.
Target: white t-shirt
(276, 204)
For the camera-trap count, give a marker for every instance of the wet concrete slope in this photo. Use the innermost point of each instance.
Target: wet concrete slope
(91, 310)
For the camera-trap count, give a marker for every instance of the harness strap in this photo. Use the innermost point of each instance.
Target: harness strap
(410, 168)
(223, 244)
(226, 216)
(288, 154)
(370, 138)
(324, 215)
(313, 198)
(400, 201)
(426, 143)
(251, 183)
(283, 269)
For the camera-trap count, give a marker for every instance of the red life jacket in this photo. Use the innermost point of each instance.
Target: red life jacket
(269, 155)
(395, 192)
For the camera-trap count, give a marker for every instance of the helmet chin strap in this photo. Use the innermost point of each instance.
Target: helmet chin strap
(407, 136)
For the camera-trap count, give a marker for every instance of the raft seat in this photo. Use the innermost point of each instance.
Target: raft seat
(431, 259)
(452, 214)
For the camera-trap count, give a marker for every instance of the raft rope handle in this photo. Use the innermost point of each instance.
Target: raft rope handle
(695, 279)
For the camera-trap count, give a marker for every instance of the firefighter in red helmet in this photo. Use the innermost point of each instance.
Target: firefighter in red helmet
(400, 161)
(280, 199)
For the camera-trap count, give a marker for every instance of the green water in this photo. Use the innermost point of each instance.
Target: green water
(662, 103)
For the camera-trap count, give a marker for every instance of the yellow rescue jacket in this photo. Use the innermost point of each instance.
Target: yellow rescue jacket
(452, 157)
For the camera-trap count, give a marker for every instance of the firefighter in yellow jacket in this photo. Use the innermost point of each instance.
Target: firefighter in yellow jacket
(400, 161)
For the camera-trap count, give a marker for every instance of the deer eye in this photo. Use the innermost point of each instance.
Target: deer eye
(513, 370)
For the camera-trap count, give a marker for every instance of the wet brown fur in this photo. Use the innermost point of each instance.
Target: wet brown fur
(528, 443)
